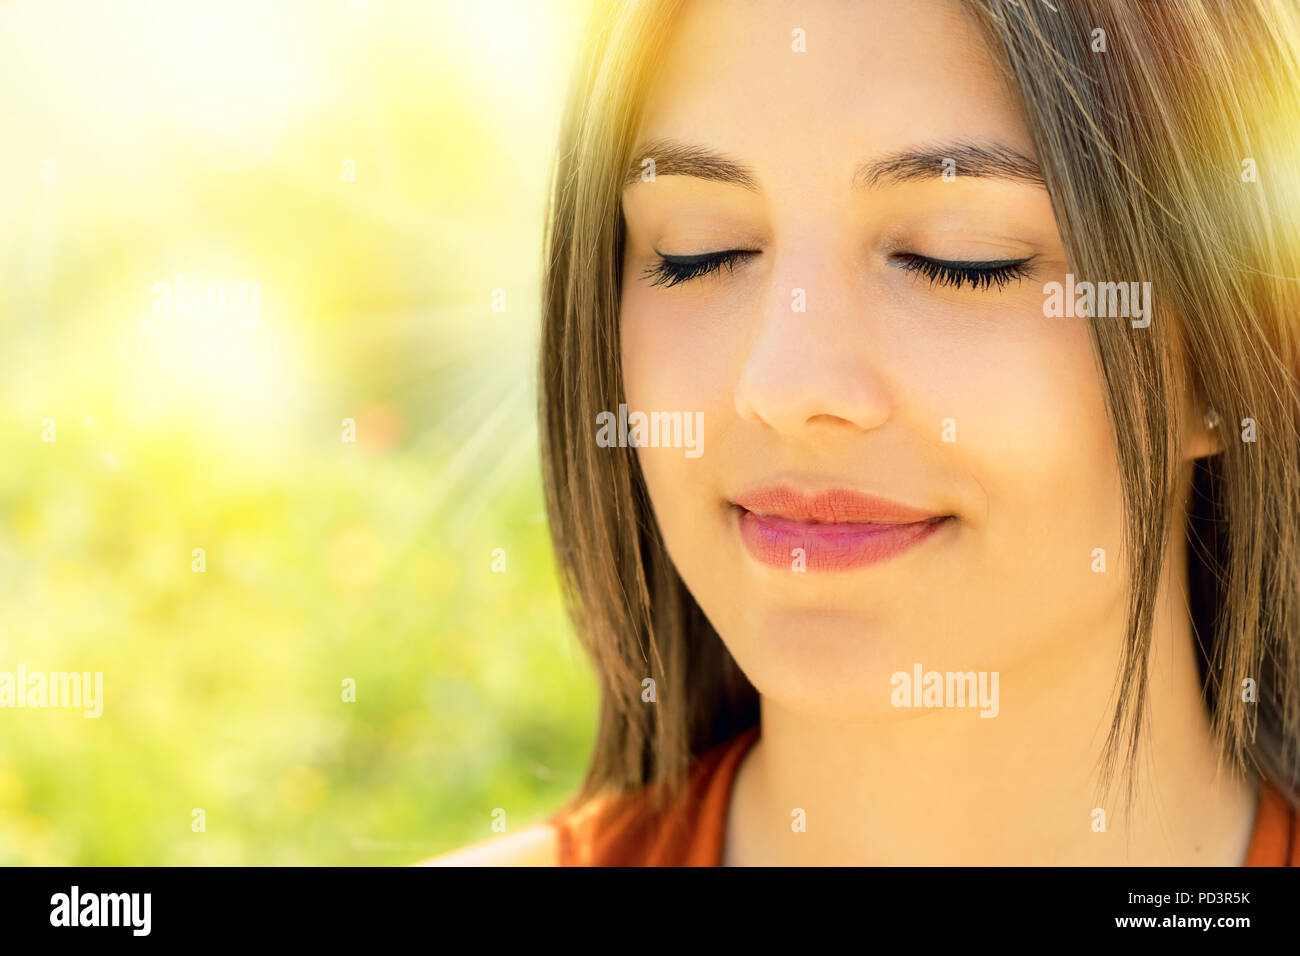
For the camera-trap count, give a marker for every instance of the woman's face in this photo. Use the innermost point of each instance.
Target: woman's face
(903, 461)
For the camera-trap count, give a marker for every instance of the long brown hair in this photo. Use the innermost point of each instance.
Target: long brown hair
(1168, 142)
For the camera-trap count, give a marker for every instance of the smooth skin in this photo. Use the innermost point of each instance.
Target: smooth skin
(858, 391)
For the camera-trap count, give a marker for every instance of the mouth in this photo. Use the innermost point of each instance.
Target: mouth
(835, 530)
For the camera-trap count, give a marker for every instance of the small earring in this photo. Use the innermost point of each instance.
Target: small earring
(1212, 418)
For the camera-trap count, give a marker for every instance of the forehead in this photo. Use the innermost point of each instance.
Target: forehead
(876, 76)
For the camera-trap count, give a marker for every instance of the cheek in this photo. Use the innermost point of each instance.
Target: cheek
(675, 360)
(1043, 429)
(1031, 429)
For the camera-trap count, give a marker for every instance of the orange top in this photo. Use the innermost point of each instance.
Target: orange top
(626, 832)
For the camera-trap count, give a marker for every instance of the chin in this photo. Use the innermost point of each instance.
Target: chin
(827, 662)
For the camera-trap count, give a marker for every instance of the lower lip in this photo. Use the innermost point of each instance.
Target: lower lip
(828, 547)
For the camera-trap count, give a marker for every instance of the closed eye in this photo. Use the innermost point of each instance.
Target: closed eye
(670, 270)
(978, 275)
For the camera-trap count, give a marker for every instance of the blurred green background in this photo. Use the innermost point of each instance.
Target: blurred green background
(379, 169)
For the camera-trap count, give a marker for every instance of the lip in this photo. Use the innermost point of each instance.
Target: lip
(838, 529)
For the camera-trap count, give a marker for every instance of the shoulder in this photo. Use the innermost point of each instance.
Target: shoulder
(535, 845)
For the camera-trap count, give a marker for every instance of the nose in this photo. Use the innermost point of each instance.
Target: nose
(810, 370)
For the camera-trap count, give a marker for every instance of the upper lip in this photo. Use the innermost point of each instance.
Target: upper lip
(831, 506)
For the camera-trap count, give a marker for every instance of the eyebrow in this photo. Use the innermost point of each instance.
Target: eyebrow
(978, 160)
(987, 160)
(672, 158)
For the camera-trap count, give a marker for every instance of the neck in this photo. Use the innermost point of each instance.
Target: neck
(945, 787)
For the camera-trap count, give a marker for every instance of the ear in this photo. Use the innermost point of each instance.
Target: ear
(1202, 428)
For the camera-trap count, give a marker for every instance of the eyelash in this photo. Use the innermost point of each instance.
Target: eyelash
(671, 270)
(979, 275)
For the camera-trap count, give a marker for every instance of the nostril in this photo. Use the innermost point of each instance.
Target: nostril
(829, 420)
